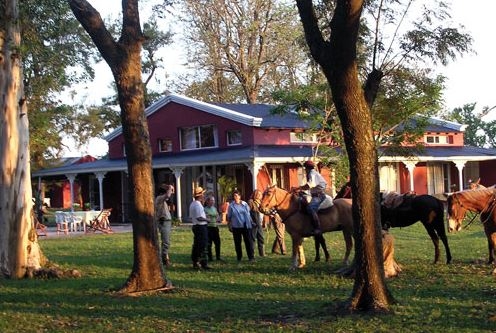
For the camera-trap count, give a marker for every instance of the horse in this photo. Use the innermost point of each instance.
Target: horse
(299, 223)
(404, 210)
(344, 192)
(481, 201)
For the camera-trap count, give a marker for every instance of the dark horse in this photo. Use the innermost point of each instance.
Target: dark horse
(299, 224)
(404, 210)
(482, 201)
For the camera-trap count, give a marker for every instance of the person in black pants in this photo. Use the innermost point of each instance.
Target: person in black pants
(213, 230)
(200, 232)
(240, 224)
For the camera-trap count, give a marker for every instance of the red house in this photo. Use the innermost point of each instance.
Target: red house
(195, 143)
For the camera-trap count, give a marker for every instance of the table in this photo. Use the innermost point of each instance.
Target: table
(87, 216)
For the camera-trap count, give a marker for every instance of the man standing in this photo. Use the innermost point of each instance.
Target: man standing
(164, 219)
(316, 186)
(200, 231)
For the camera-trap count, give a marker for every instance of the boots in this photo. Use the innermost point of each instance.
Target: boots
(316, 224)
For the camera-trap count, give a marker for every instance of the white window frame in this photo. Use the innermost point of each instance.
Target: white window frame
(195, 135)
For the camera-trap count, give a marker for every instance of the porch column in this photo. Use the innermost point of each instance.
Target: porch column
(177, 173)
(460, 165)
(124, 197)
(254, 167)
(410, 165)
(71, 178)
(100, 176)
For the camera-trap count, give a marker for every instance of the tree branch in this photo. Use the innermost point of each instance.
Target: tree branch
(92, 22)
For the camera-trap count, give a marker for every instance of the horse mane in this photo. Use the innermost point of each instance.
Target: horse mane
(477, 194)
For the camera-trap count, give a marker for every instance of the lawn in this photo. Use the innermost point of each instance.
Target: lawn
(252, 297)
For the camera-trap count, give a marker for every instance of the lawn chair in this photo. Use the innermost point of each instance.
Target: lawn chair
(41, 229)
(101, 222)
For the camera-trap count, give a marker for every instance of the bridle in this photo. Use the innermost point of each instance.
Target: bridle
(491, 205)
(273, 198)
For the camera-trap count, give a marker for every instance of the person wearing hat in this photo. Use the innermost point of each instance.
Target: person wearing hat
(200, 231)
(163, 218)
(315, 188)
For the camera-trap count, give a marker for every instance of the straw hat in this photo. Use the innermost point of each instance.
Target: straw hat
(198, 191)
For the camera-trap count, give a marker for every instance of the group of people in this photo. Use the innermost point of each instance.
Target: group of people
(245, 222)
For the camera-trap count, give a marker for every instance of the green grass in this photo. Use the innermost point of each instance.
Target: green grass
(252, 297)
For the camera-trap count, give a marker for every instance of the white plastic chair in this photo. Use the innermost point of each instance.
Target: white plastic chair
(75, 222)
(61, 222)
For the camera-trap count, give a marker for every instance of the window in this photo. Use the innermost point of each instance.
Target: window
(164, 145)
(303, 137)
(234, 138)
(198, 137)
(441, 139)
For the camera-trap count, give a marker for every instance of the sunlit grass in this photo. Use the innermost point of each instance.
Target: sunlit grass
(262, 296)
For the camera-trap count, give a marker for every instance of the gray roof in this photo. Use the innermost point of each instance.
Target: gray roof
(267, 153)
(269, 118)
(440, 153)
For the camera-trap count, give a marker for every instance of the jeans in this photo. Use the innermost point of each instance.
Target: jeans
(164, 228)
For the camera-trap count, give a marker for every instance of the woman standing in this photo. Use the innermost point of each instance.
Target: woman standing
(240, 224)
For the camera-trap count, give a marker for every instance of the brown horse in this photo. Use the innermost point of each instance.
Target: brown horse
(299, 224)
(481, 201)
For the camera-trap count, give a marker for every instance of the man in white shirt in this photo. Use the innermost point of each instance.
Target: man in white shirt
(200, 231)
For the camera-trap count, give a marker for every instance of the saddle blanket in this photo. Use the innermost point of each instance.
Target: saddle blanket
(326, 203)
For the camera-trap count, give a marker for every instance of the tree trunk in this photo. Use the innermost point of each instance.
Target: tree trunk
(123, 58)
(19, 249)
(337, 57)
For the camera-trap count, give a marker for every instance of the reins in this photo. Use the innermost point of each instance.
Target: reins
(491, 205)
(277, 203)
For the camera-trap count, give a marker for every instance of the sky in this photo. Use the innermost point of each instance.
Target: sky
(469, 78)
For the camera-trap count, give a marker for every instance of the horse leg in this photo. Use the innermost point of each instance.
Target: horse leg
(316, 241)
(348, 240)
(435, 241)
(301, 256)
(324, 248)
(295, 251)
(442, 234)
(491, 244)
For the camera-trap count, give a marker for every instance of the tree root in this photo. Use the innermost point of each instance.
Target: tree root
(51, 271)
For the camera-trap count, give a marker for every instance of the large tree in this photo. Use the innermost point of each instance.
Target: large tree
(333, 35)
(124, 59)
(338, 59)
(242, 49)
(19, 250)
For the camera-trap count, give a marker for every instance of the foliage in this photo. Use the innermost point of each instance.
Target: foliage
(242, 50)
(259, 297)
(479, 133)
(56, 54)
(226, 187)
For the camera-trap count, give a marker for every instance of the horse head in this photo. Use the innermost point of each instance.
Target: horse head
(456, 212)
(269, 201)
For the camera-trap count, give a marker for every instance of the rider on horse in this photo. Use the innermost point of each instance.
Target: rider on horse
(315, 189)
